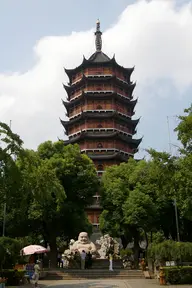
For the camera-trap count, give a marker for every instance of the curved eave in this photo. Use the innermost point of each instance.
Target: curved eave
(132, 87)
(102, 115)
(128, 71)
(85, 79)
(135, 122)
(64, 123)
(87, 135)
(66, 104)
(109, 157)
(70, 72)
(87, 62)
(133, 103)
(67, 88)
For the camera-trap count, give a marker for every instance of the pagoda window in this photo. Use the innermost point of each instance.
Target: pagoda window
(100, 167)
(99, 145)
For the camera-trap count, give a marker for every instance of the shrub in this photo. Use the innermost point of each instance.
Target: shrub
(9, 252)
(126, 252)
(13, 276)
(171, 251)
(178, 275)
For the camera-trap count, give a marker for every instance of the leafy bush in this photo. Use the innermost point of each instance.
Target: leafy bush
(126, 252)
(171, 251)
(178, 275)
(13, 276)
(9, 252)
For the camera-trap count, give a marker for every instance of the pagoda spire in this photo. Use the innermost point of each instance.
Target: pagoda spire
(98, 40)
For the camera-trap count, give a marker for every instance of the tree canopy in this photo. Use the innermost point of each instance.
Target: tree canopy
(51, 188)
(138, 196)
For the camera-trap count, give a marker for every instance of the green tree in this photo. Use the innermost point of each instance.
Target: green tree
(9, 252)
(10, 148)
(128, 208)
(58, 184)
(184, 130)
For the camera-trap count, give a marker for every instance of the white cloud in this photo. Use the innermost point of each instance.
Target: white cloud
(154, 36)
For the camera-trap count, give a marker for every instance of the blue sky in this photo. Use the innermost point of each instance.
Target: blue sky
(156, 37)
(23, 23)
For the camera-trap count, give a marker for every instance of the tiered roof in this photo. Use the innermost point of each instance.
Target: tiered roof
(99, 58)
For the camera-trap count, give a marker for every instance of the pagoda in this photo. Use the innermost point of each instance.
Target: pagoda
(100, 107)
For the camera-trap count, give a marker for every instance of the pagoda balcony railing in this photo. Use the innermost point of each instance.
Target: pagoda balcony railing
(96, 72)
(95, 91)
(104, 107)
(116, 128)
(100, 111)
(97, 75)
(99, 91)
(105, 91)
(109, 149)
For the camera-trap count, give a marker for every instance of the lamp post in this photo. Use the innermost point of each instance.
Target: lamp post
(176, 218)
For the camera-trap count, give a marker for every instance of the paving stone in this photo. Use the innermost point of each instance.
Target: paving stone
(113, 283)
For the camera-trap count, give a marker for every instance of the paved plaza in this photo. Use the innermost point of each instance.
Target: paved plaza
(113, 283)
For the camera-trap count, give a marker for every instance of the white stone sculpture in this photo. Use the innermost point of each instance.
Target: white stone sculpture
(83, 243)
(107, 245)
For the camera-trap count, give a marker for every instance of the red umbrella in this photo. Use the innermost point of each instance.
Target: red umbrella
(34, 249)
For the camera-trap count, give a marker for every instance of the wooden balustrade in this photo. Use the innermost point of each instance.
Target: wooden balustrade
(101, 125)
(97, 88)
(99, 71)
(102, 106)
(106, 145)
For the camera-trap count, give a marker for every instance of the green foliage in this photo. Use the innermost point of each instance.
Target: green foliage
(139, 210)
(178, 275)
(157, 237)
(126, 252)
(10, 147)
(171, 251)
(184, 130)
(58, 182)
(13, 276)
(9, 252)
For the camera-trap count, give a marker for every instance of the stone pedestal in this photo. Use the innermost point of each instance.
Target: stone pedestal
(104, 264)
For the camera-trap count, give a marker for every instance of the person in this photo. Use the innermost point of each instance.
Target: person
(59, 259)
(110, 262)
(36, 273)
(83, 256)
(143, 264)
(89, 260)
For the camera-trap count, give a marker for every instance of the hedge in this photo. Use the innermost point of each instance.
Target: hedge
(178, 275)
(170, 250)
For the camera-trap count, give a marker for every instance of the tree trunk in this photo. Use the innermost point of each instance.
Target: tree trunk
(124, 241)
(136, 250)
(53, 253)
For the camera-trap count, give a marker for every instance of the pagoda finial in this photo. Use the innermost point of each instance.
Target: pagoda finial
(98, 40)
